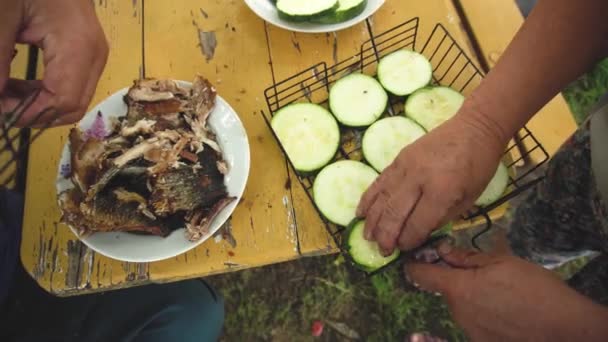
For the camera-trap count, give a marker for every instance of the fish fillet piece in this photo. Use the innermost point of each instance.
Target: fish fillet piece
(185, 189)
(203, 98)
(85, 157)
(105, 214)
(200, 220)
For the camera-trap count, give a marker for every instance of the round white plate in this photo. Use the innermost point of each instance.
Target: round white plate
(231, 137)
(266, 10)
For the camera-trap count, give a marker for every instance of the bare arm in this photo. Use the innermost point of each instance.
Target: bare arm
(560, 40)
(442, 174)
(503, 298)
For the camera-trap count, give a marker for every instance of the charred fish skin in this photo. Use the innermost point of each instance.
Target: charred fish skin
(200, 221)
(188, 188)
(184, 189)
(160, 169)
(106, 214)
(85, 155)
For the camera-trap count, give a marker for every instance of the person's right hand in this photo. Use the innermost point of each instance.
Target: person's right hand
(75, 52)
(504, 298)
(431, 181)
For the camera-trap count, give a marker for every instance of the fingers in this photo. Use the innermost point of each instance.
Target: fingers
(397, 207)
(381, 193)
(429, 213)
(96, 72)
(461, 258)
(28, 100)
(68, 86)
(372, 218)
(8, 32)
(369, 197)
(366, 204)
(6, 57)
(431, 277)
(418, 227)
(75, 52)
(422, 337)
(92, 79)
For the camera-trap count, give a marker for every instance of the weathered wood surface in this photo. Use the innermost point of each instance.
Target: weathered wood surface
(242, 55)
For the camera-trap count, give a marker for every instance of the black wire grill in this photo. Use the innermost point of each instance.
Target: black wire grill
(451, 67)
(15, 139)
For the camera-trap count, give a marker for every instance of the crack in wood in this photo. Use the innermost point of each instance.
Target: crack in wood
(53, 267)
(295, 43)
(75, 250)
(39, 267)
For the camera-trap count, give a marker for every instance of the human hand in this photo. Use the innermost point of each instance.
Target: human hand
(430, 182)
(74, 49)
(504, 298)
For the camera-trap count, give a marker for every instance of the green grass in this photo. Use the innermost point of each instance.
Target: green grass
(281, 302)
(583, 93)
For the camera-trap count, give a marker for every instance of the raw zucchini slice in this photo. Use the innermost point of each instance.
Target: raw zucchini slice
(338, 188)
(446, 229)
(365, 254)
(357, 100)
(309, 134)
(346, 10)
(383, 140)
(432, 106)
(299, 10)
(496, 188)
(403, 72)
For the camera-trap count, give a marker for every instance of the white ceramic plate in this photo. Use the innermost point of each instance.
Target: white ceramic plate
(231, 137)
(266, 10)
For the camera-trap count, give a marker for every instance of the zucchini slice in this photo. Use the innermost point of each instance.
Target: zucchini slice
(432, 106)
(338, 188)
(496, 188)
(365, 254)
(300, 10)
(357, 100)
(446, 229)
(346, 10)
(309, 134)
(403, 72)
(383, 140)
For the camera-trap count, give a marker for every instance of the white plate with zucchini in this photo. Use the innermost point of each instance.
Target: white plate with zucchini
(314, 16)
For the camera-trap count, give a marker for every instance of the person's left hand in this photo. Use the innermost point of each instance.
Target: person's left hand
(504, 298)
(75, 51)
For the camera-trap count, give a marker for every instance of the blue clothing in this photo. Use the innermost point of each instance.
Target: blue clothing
(186, 311)
(11, 214)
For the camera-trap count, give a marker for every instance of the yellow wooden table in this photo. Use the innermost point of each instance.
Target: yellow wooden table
(275, 221)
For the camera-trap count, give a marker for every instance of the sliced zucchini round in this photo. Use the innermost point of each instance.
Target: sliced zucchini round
(357, 100)
(347, 9)
(383, 140)
(432, 106)
(298, 10)
(496, 188)
(445, 229)
(338, 188)
(309, 134)
(365, 254)
(403, 72)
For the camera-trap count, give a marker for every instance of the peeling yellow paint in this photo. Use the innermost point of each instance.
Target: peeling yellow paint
(276, 221)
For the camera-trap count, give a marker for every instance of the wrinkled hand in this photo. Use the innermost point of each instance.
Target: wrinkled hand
(504, 298)
(75, 52)
(430, 182)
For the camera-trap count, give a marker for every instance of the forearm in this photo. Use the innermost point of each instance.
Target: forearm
(584, 321)
(560, 40)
